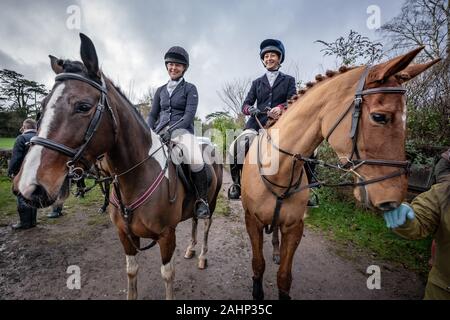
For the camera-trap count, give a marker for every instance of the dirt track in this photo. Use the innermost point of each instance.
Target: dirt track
(33, 265)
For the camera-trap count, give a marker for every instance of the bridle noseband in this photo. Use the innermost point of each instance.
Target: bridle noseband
(76, 155)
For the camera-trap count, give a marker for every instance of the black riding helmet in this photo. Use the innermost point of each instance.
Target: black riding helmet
(177, 55)
(272, 45)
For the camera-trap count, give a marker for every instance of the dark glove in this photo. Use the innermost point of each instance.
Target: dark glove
(253, 111)
(165, 136)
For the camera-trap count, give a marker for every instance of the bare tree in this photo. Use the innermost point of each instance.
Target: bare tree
(425, 22)
(353, 49)
(233, 95)
(294, 70)
(145, 103)
(421, 22)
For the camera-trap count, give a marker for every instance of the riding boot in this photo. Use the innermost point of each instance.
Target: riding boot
(33, 217)
(234, 192)
(200, 180)
(313, 201)
(25, 215)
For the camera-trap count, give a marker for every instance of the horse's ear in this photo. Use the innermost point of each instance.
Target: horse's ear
(56, 64)
(384, 71)
(414, 70)
(89, 55)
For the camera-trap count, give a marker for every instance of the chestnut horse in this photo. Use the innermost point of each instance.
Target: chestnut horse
(362, 114)
(86, 117)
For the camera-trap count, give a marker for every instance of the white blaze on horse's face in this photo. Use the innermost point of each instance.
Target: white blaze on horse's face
(158, 155)
(32, 162)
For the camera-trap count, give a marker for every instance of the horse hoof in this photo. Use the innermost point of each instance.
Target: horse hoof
(283, 296)
(189, 254)
(276, 259)
(258, 292)
(202, 264)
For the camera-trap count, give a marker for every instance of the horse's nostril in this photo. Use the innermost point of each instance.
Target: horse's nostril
(39, 192)
(388, 206)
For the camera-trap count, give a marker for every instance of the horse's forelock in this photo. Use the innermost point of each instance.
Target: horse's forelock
(74, 67)
(78, 67)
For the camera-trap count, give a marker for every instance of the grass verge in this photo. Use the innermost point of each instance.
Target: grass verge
(7, 143)
(345, 222)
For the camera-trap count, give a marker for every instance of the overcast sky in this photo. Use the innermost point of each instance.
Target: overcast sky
(222, 37)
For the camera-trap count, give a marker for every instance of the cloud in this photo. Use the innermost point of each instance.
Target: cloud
(222, 37)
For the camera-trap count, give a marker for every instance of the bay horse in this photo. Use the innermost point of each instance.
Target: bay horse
(85, 117)
(361, 112)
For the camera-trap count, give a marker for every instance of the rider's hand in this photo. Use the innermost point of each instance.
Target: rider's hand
(165, 136)
(276, 112)
(397, 217)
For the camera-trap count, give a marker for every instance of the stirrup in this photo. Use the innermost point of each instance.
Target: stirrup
(208, 214)
(237, 190)
(315, 203)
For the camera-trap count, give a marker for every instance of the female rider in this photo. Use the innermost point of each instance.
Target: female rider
(174, 105)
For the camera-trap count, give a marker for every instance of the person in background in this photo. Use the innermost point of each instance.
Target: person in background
(429, 214)
(27, 214)
(442, 168)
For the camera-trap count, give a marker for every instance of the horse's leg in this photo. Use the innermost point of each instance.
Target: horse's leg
(190, 252)
(202, 261)
(132, 265)
(258, 264)
(289, 243)
(167, 244)
(276, 245)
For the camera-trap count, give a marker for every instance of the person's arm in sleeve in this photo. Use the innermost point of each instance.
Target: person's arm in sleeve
(427, 216)
(190, 111)
(249, 100)
(156, 109)
(18, 155)
(292, 91)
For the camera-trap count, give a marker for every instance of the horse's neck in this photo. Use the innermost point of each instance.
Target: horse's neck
(300, 130)
(133, 139)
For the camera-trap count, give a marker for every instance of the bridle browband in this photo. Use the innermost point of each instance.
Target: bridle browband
(352, 164)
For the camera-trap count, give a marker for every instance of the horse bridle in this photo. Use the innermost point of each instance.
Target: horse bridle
(350, 166)
(356, 116)
(77, 173)
(353, 164)
(76, 155)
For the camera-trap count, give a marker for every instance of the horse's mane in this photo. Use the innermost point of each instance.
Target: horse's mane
(79, 68)
(319, 80)
(131, 106)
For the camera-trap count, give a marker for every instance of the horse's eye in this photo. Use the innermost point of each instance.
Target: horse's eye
(379, 118)
(83, 107)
